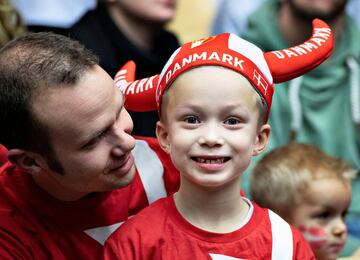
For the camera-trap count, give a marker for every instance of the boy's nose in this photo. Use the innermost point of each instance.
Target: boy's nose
(211, 136)
(339, 227)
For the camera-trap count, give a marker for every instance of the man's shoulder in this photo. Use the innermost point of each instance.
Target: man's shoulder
(147, 223)
(11, 201)
(151, 141)
(9, 175)
(151, 145)
(18, 234)
(153, 213)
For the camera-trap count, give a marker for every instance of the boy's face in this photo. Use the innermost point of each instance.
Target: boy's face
(210, 125)
(320, 216)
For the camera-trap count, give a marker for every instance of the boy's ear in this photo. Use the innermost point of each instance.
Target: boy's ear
(162, 136)
(25, 160)
(262, 139)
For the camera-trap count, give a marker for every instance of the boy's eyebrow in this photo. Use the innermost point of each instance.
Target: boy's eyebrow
(97, 133)
(329, 207)
(227, 106)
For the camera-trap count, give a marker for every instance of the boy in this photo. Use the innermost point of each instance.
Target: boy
(211, 143)
(309, 189)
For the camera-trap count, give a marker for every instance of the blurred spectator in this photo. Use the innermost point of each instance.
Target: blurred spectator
(353, 9)
(122, 30)
(201, 13)
(52, 15)
(232, 15)
(309, 189)
(11, 24)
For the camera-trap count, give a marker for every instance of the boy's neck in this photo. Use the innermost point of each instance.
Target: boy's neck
(220, 211)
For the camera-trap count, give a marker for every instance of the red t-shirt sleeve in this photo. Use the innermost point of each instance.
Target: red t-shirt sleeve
(15, 243)
(3, 154)
(123, 244)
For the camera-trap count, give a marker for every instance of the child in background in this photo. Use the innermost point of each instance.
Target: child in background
(310, 190)
(214, 98)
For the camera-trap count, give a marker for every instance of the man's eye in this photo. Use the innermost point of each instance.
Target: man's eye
(191, 120)
(94, 141)
(232, 121)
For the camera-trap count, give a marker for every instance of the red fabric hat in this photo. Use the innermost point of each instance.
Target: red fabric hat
(230, 51)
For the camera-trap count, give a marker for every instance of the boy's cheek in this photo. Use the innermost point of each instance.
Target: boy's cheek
(315, 236)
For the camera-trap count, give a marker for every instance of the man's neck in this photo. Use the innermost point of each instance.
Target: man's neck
(296, 30)
(46, 182)
(140, 33)
(216, 210)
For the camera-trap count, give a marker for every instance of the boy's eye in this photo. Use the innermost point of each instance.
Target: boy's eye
(343, 214)
(191, 120)
(232, 121)
(323, 215)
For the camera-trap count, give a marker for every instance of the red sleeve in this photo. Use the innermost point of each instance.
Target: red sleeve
(124, 243)
(11, 248)
(171, 174)
(141, 237)
(3, 154)
(302, 250)
(16, 244)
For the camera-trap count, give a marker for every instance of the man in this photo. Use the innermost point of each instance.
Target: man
(122, 30)
(72, 178)
(323, 106)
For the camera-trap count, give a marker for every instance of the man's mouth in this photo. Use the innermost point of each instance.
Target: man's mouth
(123, 163)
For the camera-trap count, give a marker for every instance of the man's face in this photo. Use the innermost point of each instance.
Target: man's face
(90, 134)
(323, 9)
(153, 11)
(320, 216)
(210, 125)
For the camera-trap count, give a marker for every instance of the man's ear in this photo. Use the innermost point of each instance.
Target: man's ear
(262, 139)
(26, 160)
(162, 136)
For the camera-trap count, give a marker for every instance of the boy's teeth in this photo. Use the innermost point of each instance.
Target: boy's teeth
(210, 161)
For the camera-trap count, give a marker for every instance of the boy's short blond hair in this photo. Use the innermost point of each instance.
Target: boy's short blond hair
(285, 172)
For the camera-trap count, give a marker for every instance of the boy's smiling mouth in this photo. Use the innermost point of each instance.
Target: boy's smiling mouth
(210, 160)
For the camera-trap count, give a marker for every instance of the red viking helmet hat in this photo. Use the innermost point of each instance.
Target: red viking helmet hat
(262, 69)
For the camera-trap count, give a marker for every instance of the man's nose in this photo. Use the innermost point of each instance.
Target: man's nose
(122, 140)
